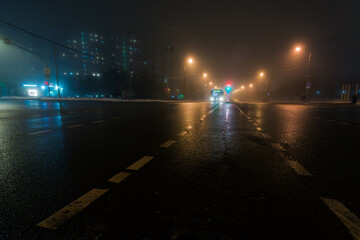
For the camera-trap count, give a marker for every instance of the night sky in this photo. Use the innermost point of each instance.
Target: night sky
(229, 39)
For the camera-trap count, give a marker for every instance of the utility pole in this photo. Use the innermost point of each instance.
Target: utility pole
(307, 85)
(57, 74)
(184, 94)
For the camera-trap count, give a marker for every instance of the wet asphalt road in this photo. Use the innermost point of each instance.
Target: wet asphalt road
(232, 171)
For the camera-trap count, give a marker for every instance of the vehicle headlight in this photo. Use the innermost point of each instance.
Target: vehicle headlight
(212, 99)
(221, 99)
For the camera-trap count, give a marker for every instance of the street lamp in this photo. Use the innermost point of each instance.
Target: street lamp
(210, 83)
(190, 61)
(251, 85)
(242, 87)
(307, 85)
(262, 75)
(205, 75)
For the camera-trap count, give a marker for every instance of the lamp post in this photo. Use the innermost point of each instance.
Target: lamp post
(307, 85)
(262, 75)
(189, 61)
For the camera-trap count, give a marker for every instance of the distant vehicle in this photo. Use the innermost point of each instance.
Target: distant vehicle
(217, 95)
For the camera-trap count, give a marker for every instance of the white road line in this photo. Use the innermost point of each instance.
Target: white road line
(259, 129)
(298, 168)
(36, 133)
(189, 127)
(118, 178)
(167, 144)
(246, 116)
(59, 218)
(265, 135)
(140, 163)
(74, 126)
(349, 219)
(278, 147)
(345, 123)
(100, 121)
(183, 133)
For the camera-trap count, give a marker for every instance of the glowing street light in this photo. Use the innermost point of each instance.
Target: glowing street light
(242, 87)
(262, 75)
(307, 85)
(205, 75)
(251, 85)
(210, 83)
(190, 61)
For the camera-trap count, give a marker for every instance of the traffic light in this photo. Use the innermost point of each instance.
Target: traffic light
(228, 87)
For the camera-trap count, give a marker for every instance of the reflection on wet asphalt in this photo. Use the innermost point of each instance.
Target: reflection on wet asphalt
(216, 170)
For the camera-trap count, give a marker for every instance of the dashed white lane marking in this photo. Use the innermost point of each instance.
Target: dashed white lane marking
(330, 120)
(298, 168)
(36, 133)
(278, 147)
(246, 116)
(118, 178)
(100, 121)
(189, 127)
(74, 126)
(349, 219)
(183, 133)
(140, 163)
(56, 220)
(265, 135)
(345, 123)
(115, 118)
(167, 144)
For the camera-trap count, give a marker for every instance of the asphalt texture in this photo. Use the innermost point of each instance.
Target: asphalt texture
(232, 171)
